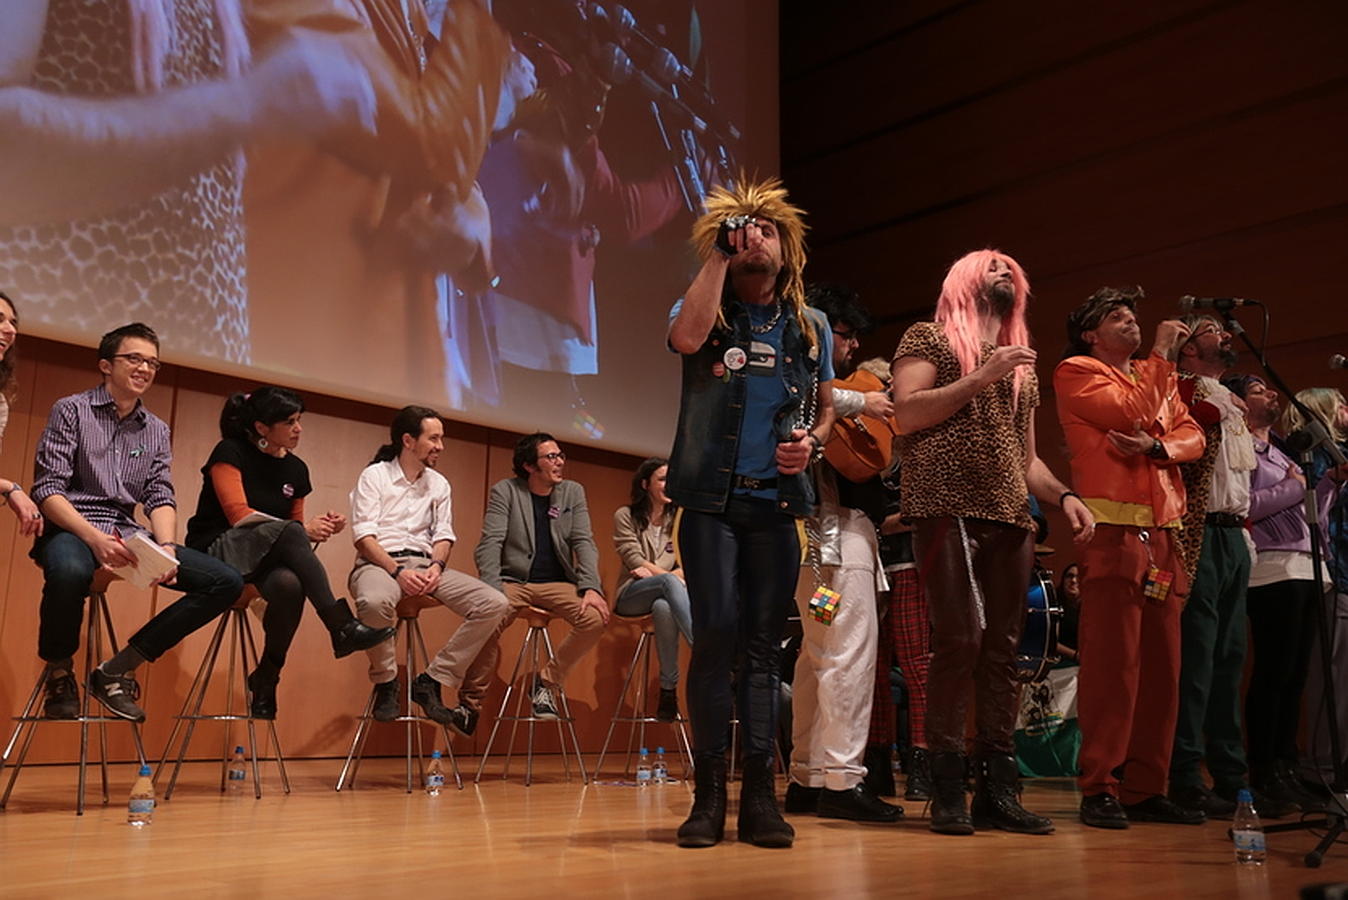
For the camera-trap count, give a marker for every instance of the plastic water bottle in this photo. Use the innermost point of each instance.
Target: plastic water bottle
(659, 769)
(237, 774)
(1247, 833)
(644, 768)
(435, 775)
(140, 808)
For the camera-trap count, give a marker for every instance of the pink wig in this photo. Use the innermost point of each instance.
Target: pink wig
(958, 313)
(151, 37)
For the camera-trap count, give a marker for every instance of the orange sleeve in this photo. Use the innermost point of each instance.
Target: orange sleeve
(1087, 389)
(227, 482)
(297, 509)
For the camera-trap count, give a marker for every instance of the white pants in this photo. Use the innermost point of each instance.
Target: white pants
(835, 673)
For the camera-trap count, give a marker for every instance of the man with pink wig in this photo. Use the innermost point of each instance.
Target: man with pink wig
(964, 397)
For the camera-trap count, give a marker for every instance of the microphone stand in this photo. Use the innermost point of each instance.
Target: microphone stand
(1312, 436)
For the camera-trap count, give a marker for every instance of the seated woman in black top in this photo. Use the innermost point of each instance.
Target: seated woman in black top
(251, 515)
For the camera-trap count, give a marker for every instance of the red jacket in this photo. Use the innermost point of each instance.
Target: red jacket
(1093, 399)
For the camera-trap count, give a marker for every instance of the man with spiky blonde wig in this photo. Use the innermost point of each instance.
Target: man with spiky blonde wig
(756, 405)
(964, 397)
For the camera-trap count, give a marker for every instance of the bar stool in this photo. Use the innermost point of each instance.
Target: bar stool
(409, 627)
(639, 703)
(536, 649)
(242, 656)
(99, 624)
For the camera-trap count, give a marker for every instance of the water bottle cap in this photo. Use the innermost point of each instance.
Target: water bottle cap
(238, 749)
(435, 754)
(144, 769)
(659, 749)
(645, 752)
(1244, 796)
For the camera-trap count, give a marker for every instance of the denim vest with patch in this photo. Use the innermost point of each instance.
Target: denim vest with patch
(711, 413)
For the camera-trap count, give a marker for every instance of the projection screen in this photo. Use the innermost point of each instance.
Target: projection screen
(478, 206)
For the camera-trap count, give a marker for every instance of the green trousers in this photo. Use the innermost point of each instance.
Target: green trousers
(1212, 662)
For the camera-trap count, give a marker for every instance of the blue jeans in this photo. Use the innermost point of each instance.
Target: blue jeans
(742, 567)
(665, 599)
(209, 588)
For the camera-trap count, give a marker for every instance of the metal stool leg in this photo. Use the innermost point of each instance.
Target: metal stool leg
(252, 656)
(500, 714)
(415, 631)
(567, 718)
(617, 710)
(192, 702)
(240, 657)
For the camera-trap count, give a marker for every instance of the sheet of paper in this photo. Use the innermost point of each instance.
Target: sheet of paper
(152, 561)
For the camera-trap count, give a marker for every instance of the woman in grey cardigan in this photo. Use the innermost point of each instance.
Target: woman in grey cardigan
(652, 583)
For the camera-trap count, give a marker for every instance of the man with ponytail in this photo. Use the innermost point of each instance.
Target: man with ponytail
(964, 397)
(757, 404)
(403, 527)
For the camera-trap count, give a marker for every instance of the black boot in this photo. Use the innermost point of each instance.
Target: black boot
(918, 785)
(668, 709)
(879, 770)
(760, 819)
(348, 633)
(262, 694)
(949, 815)
(705, 825)
(997, 801)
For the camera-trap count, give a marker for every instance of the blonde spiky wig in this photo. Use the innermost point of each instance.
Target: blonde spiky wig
(766, 198)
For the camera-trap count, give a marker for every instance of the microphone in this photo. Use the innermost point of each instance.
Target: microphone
(1188, 304)
(1338, 361)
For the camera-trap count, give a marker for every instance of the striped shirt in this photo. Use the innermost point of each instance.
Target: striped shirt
(104, 465)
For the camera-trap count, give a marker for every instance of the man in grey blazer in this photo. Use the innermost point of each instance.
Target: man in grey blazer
(537, 548)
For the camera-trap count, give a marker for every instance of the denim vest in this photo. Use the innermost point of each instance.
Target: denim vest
(711, 413)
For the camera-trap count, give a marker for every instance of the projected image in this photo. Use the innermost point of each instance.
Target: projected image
(481, 206)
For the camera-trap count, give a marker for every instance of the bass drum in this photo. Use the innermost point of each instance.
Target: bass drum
(1039, 639)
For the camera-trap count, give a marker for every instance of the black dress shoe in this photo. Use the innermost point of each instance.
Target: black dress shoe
(1199, 797)
(1159, 808)
(1103, 811)
(426, 694)
(1268, 807)
(801, 800)
(857, 804)
(386, 700)
(262, 696)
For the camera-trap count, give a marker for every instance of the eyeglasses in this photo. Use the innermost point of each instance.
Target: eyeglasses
(135, 361)
(555, 456)
(847, 336)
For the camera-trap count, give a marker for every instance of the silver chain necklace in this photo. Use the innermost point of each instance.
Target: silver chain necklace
(770, 323)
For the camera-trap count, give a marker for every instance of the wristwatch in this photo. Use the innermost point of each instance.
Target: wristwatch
(14, 486)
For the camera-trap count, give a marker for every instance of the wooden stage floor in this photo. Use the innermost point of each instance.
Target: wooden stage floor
(559, 839)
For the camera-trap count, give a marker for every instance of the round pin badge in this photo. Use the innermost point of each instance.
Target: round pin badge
(717, 370)
(735, 358)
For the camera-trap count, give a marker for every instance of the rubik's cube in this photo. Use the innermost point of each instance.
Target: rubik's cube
(1157, 586)
(824, 605)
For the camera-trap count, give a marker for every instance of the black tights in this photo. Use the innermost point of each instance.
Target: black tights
(286, 575)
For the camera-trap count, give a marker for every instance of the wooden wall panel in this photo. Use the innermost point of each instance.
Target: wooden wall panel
(1188, 147)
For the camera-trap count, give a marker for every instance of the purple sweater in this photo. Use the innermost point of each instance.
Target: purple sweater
(1277, 510)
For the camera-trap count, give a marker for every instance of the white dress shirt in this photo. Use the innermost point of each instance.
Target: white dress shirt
(401, 514)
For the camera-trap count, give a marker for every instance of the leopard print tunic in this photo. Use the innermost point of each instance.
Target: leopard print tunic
(973, 463)
(176, 260)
